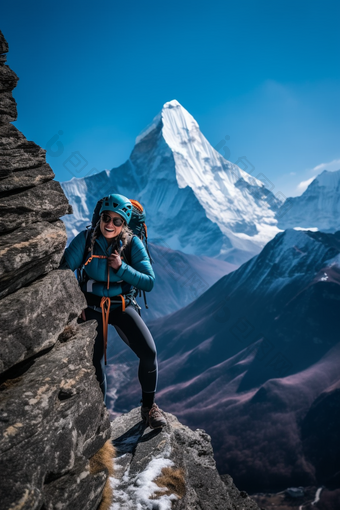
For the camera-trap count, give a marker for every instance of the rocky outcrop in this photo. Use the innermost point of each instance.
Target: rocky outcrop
(33, 317)
(23, 162)
(44, 202)
(29, 252)
(169, 469)
(53, 421)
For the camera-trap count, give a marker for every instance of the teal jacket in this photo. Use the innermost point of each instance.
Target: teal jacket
(139, 274)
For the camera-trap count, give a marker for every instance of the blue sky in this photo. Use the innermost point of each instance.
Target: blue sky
(262, 75)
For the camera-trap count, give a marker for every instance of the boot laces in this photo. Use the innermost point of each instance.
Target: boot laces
(154, 410)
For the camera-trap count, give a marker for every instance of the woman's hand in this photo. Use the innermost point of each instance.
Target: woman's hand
(114, 260)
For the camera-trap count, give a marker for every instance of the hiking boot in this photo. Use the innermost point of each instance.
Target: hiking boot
(153, 417)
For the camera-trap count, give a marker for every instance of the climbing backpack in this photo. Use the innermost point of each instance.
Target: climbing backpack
(136, 224)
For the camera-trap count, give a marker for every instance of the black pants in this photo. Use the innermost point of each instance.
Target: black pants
(134, 332)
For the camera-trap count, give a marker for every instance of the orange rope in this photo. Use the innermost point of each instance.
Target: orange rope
(123, 302)
(105, 304)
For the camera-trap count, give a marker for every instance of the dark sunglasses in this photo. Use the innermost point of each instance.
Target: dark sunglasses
(116, 221)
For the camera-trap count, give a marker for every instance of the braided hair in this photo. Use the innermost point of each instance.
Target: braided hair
(124, 236)
(95, 234)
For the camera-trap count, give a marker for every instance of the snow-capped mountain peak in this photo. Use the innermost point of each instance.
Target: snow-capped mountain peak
(317, 208)
(182, 134)
(196, 201)
(239, 204)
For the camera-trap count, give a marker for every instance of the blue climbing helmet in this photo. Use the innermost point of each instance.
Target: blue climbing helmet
(118, 204)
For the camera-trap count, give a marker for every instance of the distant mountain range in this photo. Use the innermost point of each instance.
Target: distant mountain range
(317, 208)
(253, 359)
(196, 201)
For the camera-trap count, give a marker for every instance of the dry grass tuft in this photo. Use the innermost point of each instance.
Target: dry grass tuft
(173, 481)
(101, 460)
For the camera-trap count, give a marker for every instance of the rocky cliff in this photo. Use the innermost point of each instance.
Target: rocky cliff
(52, 418)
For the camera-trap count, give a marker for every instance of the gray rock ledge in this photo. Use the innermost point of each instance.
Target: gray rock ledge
(141, 453)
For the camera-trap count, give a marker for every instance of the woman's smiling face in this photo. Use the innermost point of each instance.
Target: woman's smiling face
(109, 230)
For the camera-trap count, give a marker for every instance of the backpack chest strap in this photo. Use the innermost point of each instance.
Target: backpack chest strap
(94, 257)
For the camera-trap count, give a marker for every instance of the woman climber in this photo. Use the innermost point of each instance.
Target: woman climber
(109, 285)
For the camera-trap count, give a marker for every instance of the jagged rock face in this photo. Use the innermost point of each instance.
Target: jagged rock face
(63, 425)
(41, 312)
(29, 252)
(20, 155)
(52, 415)
(191, 482)
(45, 202)
(8, 80)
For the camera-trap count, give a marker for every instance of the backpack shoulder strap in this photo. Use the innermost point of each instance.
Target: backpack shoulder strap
(88, 236)
(80, 270)
(127, 255)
